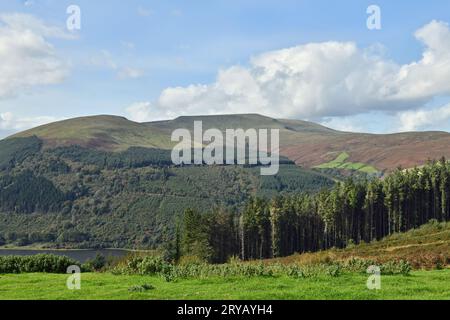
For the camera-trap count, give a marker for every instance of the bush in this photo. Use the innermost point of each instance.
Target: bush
(151, 265)
(143, 265)
(96, 264)
(294, 271)
(38, 263)
(396, 267)
(334, 270)
(168, 273)
(357, 264)
(193, 269)
(350, 244)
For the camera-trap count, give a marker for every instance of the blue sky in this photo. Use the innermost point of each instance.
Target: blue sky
(129, 55)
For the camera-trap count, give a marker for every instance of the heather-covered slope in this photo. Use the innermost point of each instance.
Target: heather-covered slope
(306, 143)
(108, 181)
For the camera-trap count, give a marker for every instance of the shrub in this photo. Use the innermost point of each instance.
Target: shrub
(168, 273)
(143, 265)
(151, 265)
(38, 263)
(350, 244)
(132, 264)
(357, 264)
(396, 267)
(97, 264)
(334, 270)
(294, 271)
(192, 268)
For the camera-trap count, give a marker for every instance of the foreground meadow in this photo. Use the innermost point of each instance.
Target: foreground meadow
(413, 265)
(421, 285)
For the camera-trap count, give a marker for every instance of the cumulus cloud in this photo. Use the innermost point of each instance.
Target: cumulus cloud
(27, 22)
(319, 80)
(140, 111)
(425, 119)
(10, 122)
(27, 59)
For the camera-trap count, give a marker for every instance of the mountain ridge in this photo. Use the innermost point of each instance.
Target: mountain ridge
(108, 181)
(307, 143)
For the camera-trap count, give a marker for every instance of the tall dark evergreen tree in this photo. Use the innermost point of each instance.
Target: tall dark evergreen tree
(351, 212)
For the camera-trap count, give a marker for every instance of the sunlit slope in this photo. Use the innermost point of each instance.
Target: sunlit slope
(424, 247)
(117, 133)
(99, 132)
(308, 144)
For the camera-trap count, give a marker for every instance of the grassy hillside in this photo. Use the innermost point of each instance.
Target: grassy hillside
(341, 163)
(84, 197)
(99, 132)
(109, 181)
(306, 143)
(426, 247)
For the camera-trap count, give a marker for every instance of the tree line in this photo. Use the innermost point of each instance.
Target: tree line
(350, 212)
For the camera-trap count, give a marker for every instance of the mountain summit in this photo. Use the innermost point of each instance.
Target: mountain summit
(306, 143)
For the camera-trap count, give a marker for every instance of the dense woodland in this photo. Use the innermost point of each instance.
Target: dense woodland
(78, 197)
(75, 197)
(350, 212)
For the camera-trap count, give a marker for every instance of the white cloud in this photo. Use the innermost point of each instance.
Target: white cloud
(8, 121)
(140, 111)
(347, 124)
(27, 22)
(319, 80)
(27, 59)
(425, 119)
(429, 76)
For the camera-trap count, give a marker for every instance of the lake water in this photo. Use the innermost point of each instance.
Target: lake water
(78, 255)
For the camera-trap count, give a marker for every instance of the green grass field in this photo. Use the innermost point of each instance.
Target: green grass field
(427, 247)
(340, 163)
(419, 285)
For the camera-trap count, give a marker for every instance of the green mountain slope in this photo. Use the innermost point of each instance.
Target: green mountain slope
(307, 144)
(108, 181)
(99, 132)
(74, 196)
